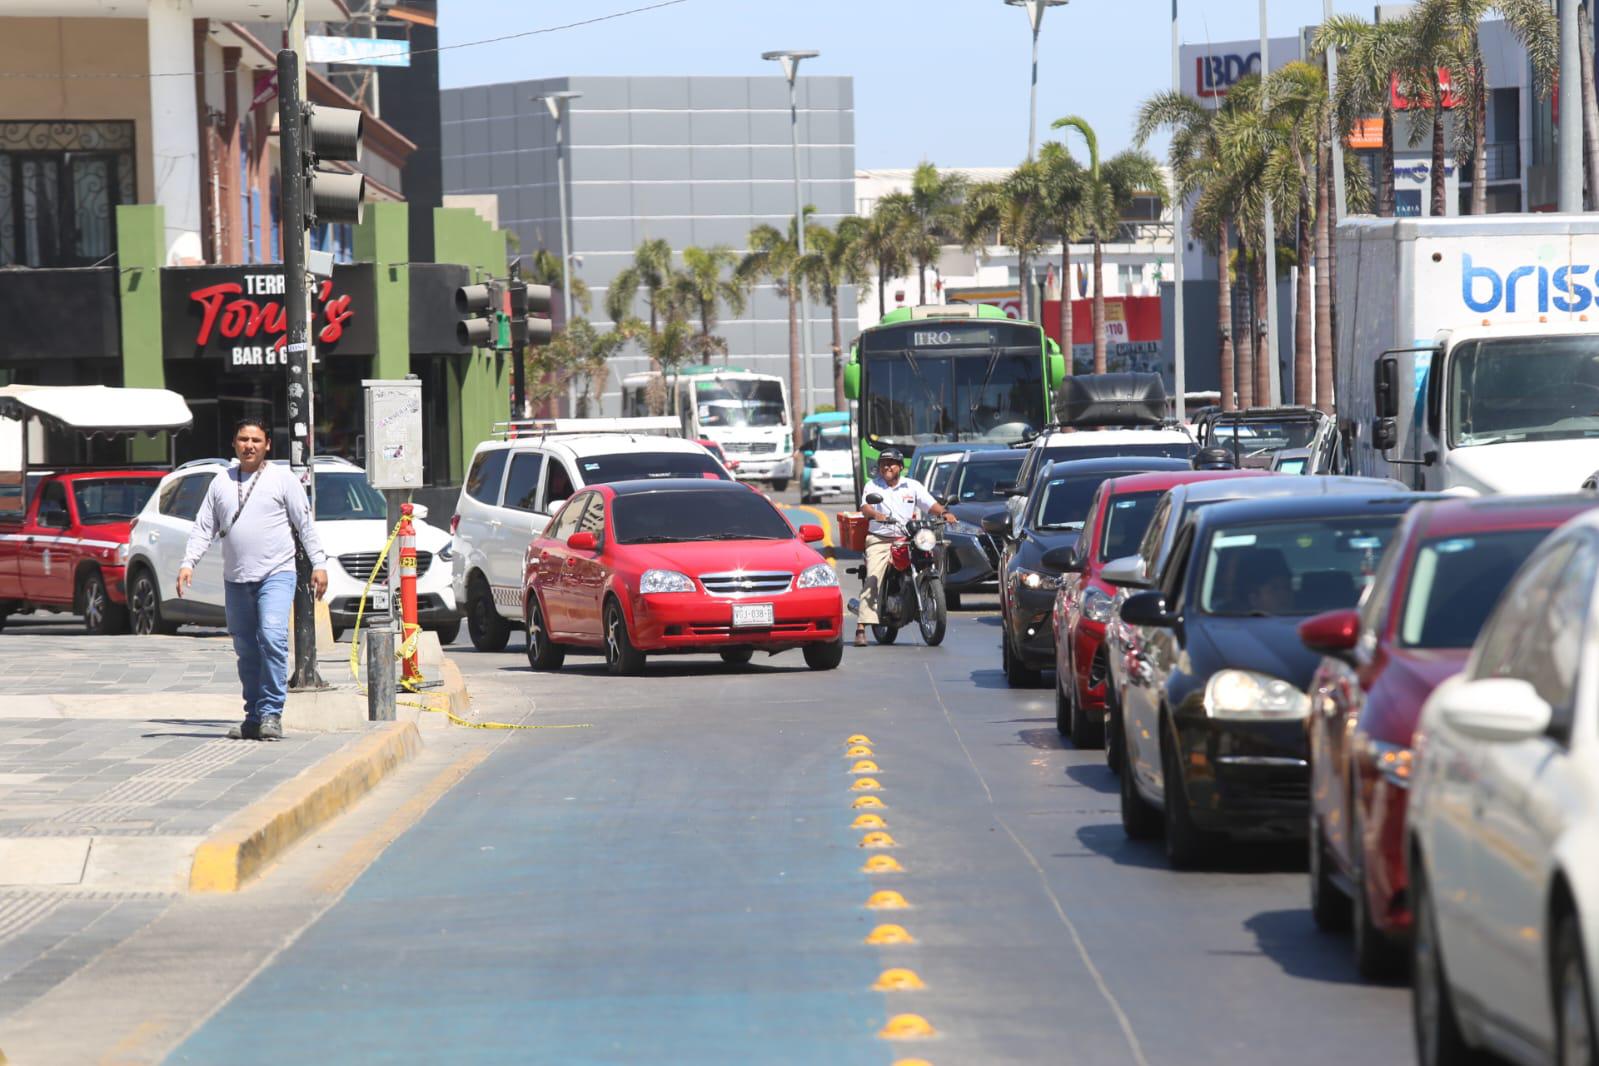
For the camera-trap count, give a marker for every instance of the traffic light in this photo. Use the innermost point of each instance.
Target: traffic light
(540, 330)
(481, 309)
(332, 134)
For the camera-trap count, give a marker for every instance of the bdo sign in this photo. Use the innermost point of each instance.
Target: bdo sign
(1214, 75)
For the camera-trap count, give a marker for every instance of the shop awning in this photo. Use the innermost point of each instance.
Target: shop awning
(96, 409)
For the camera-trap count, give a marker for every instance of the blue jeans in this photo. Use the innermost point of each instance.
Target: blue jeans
(258, 621)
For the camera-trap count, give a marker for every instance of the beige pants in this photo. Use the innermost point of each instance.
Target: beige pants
(878, 551)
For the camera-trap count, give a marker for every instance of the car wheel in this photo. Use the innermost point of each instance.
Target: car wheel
(824, 656)
(489, 632)
(1439, 1041)
(1087, 733)
(884, 634)
(1017, 675)
(449, 632)
(1140, 821)
(622, 659)
(338, 633)
(1115, 746)
(952, 600)
(1329, 907)
(737, 656)
(1063, 707)
(1376, 955)
(144, 606)
(100, 615)
(542, 653)
(1185, 843)
(1578, 1039)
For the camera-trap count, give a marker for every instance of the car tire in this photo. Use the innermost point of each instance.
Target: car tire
(338, 633)
(489, 632)
(542, 652)
(1087, 734)
(1185, 843)
(1140, 821)
(780, 484)
(100, 616)
(1063, 707)
(1439, 1040)
(1376, 955)
(144, 606)
(737, 656)
(622, 658)
(1575, 1034)
(1017, 674)
(1329, 907)
(884, 634)
(952, 600)
(449, 632)
(1115, 746)
(824, 656)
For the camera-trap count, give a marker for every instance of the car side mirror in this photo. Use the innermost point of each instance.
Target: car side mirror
(1500, 709)
(1385, 434)
(53, 519)
(810, 534)
(582, 542)
(1332, 633)
(1385, 387)
(875, 498)
(1063, 560)
(1006, 490)
(1126, 572)
(554, 505)
(996, 524)
(1148, 609)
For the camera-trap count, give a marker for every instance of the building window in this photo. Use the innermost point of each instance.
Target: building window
(60, 184)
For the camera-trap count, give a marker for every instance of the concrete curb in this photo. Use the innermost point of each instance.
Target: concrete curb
(239, 848)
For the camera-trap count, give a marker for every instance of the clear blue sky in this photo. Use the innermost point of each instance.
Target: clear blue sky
(944, 80)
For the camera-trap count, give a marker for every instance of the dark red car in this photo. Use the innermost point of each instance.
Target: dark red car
(1117, 520)
(634, 568)
(1441, 576)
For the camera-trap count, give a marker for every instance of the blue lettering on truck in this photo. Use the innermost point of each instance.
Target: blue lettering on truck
(1484, 289)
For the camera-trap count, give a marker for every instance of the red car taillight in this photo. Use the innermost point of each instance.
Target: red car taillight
(455, 523)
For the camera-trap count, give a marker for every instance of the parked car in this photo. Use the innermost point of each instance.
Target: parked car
(1028, 576)
(1117, 520)
(828, 469)
(971, 556)
(1442, 575)
(512, 488)
(351, 520)
(1213, 712)
(64, 549)
(1070, 445)
(635, 568)
(1502, 838)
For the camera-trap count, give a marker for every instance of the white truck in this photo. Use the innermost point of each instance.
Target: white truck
(1468, 351)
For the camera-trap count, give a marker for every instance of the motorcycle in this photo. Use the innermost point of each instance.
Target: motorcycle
(913, 587)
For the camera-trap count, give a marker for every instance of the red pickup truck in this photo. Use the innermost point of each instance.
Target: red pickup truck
(66, 552)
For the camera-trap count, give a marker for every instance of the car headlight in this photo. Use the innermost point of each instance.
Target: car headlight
(820, 576)
(1097, 606)
(1395, 762)
(122, 554)
(1032, 579)
(1244, 694)
(665, 581)
(925, 540)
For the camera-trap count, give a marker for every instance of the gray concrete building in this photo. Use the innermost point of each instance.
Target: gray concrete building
(694, 160)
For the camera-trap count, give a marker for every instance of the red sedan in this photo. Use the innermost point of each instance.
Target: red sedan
(1117, 519)
(1441, 576)
(635, 568)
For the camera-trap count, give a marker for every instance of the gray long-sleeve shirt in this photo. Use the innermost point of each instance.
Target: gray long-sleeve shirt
(259, 541)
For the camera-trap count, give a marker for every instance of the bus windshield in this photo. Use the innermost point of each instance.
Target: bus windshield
(1523, 388)
(740, 402)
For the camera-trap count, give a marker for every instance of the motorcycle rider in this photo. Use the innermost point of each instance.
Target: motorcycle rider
(902, 500)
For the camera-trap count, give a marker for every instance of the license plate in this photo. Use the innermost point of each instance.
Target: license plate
(377, 600)
(752, 614)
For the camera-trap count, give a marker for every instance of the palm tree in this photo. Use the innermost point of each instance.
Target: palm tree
(1370, 54)
(835, 260)
(706, 282)
(543, 267)
(1109, 196)
(651, 270)
(885, 245)
(1065, 203)
(578, 354)
(775, 255)
(1012, 212)
(933, 219)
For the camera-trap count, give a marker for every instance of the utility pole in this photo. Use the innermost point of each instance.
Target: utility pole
(1179, 360)
(1273, 371)
(1336, 149)
(1570, 199)
(791, 61)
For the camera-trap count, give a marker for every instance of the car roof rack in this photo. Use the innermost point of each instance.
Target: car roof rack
(524, 428)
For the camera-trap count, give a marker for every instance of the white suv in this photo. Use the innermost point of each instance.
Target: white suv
(351, 520)
(514, 486)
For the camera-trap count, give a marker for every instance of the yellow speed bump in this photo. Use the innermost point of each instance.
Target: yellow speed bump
(878, 839)
(856, 750)
(882, 864)
(907, 1027)
(866, 801)
(859, 738)
(866, 784)
(864, 766)
(889, 934)
(911, 1062)
(868, 821)
(886, 901)
(898, 980)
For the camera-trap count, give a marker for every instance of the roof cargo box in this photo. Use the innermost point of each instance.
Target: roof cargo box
(1111, 400)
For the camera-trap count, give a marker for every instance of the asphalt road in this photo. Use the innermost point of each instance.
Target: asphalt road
(681, 882)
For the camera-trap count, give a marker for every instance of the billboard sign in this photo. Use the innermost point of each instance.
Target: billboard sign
(1209, 71)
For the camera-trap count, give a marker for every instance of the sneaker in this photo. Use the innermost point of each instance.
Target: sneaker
(271, 728)
(249, 729)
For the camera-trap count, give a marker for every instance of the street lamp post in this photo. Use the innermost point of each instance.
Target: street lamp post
(1569, 197)
(556, 103)
(1035, 15)
(1179, 353)
(791, 60)
(1273, 371)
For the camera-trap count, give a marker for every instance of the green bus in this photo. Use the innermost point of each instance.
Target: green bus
(945, 374)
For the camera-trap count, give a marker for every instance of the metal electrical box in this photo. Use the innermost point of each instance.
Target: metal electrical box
(394, 433)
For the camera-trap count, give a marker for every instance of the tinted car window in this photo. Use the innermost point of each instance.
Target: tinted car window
(53, 505)
(522, 484)
(1549, 655)
(1126, 521)
(348, 497)
(634, 466)
(112, 499)
(483, 480)
(684, 515)
(1164, 450)
(1062, 503)
(182, 498)
(976, 480)
(1455, 582)
(1292, 567)
(566, 522)
(558, 485)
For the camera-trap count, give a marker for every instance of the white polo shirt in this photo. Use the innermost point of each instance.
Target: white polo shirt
(901, 502)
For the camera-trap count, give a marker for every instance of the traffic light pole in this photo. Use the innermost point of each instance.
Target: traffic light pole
(296, 313)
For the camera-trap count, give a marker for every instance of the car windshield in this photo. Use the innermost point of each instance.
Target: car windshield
(678, 515)
(1292, 567)
(976, 481)
(637, 466)
(740, 402)
(112, 499)
(1126, 520)
(1258, 437)
(1526, 388)
(1063, 501)
(833, 442)
(1456, 581)
(938, 478)
(348, 496)
(1173, 449)
(1296, 465)
(925, 382)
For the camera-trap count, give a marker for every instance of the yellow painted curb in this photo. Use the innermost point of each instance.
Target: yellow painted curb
(238, 849)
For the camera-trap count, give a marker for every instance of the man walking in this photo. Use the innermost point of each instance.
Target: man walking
(256, 508)
(902, 499)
